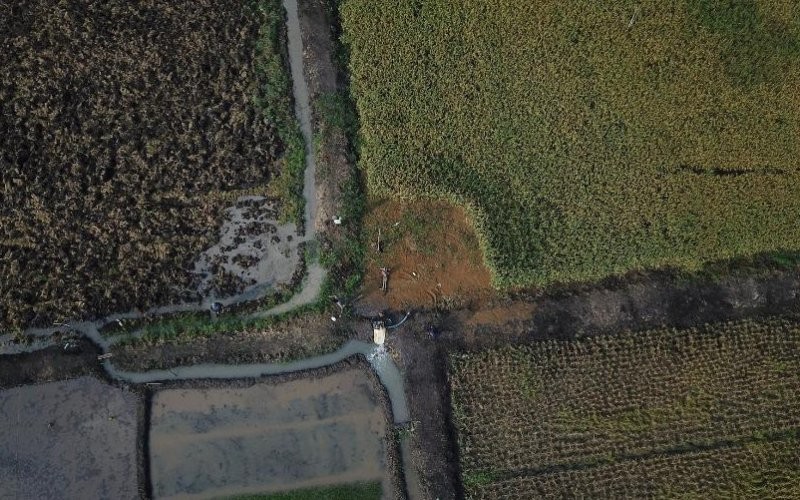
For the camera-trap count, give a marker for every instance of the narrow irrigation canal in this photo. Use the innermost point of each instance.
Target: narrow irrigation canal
(314, 273)
(381, 363)
(314, 276)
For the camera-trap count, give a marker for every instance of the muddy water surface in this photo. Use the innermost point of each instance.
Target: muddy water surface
(72, 439)
(206, 443)
(253, 247)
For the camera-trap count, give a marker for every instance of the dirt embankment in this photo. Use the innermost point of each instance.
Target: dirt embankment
(656, 300)
(339, 186)
(296, 338)
(434, 451)
(325, 79)
(49, 365)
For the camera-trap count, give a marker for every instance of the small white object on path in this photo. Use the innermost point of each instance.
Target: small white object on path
(633, 17)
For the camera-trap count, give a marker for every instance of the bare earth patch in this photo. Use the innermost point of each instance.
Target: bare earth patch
(431, 252)
(304, 433)
(71, 439)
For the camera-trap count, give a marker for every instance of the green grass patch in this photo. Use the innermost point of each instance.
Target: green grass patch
(187, 326)
(273, 98)
(344, 250)
(344, 256)
(787, 260)
(337, 112)
(585, 138)
(473, 479)
(360, 491)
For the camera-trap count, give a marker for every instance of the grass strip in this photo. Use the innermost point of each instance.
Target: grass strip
(357, 491)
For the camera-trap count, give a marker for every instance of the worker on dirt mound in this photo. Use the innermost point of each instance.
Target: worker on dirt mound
(385, 279)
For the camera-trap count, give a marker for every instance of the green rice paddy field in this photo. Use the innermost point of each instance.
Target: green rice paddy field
(587, 138)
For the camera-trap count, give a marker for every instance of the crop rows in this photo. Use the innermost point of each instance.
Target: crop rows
(755, 470)
(609, 398)
(587, 138)
(125, 130)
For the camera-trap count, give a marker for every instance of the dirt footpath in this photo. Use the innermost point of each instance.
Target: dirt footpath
(650, 301)
(294, 338)
(49, 364)
(324, 79)
(434, 453)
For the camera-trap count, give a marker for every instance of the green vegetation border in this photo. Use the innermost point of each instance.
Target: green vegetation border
(274, 99)
(358, 491)
(343, 256)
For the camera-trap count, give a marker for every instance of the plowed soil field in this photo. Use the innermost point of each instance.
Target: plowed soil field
(70, 439)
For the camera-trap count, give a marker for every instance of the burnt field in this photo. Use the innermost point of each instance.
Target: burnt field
(126, 129)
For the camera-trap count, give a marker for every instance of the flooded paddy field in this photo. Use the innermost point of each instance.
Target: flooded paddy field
(69, 439)
(262, 436)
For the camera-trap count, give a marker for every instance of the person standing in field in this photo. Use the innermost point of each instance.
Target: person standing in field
(384, 279)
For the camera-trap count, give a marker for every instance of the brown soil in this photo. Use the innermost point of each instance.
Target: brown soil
(501, 314)
(49, 365)
(338, 179)
(434, 452)
(652, 301)
(432, 254)
(324, 79)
